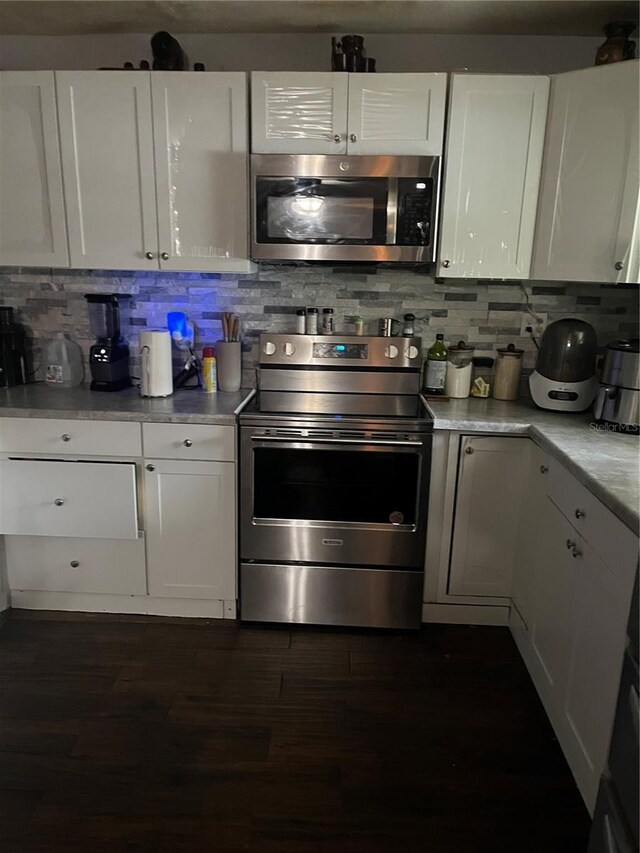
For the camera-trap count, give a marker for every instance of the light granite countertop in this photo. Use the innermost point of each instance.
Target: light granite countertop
(186, 406)
(606, 462)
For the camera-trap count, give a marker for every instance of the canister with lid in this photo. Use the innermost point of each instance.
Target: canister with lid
(481, 376)
(458, 378)
(506, 380)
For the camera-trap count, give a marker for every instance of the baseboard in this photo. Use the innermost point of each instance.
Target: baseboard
(141, 604)
(465, 614)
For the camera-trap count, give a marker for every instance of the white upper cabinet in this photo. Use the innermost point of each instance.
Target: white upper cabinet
(32, 222)
(299, 113)
(200, 138)
(396, 113)
(335, 113)
(589, 217)
(107, 161)
(494, 155)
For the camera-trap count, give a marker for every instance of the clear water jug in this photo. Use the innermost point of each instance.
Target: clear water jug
(63, 363)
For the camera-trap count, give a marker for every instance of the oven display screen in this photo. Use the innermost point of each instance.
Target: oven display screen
(340, 351)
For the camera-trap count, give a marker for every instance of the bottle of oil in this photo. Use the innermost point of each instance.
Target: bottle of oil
(436, 367)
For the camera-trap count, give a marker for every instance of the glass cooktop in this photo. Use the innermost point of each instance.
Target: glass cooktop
(406, 406)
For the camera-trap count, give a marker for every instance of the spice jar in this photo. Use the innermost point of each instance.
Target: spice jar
(481, 376)
(409, 327)
(311, 321)
(358, 325)
(327, 321)
(301, 323)
(458, 379)
(506, 380)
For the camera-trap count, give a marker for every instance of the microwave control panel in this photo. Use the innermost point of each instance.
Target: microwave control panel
(414, 211)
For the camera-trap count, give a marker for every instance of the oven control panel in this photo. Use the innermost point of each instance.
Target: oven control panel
(337, 351)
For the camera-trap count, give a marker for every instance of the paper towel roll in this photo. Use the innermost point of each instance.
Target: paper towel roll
(156, 369)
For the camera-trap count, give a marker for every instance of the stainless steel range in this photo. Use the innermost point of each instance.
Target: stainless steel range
(335, 458)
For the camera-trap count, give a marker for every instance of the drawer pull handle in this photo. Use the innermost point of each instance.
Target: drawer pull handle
(570, 544)
(580, 513)
(151, 467)
(576, 553)
(187, 442)
(74, 564)
(65, 437)
(165, 256)
(544, 469)
(446, 264)
(468, 450)
(58, 502)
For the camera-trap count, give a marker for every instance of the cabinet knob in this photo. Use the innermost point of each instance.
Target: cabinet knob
(544, 469)
(58, 502)
(337, 137)
(148, 256)
(74, 564)
(575, 553)
(580, 513)
(446, 264)
(65, 437)
(468, 450)
(151, 467)
(353, 137)
(187, 442)
(619, 265)
(570, 544)
(165, 256)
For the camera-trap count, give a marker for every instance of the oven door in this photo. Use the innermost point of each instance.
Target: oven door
(334, 500)
(351, 208)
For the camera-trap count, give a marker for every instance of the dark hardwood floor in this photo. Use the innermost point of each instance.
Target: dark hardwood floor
(124, 735)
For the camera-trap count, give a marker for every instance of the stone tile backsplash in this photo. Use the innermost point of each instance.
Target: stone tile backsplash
(486, 314)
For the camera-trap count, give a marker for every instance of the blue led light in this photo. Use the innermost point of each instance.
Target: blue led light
(340, 347)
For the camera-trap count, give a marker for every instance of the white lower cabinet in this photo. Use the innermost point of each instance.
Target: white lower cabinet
(190, 520)
(66, 498)
(491, 484)
(571, 629)
(58, 564)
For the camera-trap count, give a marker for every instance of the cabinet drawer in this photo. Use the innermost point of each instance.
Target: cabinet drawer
(54, 435)
(57, 498)
(613, 542)
(57, 564)
(189, 441)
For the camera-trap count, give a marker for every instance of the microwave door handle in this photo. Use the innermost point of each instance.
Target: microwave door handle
(392, 211)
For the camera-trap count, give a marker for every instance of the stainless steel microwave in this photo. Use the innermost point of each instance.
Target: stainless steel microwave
(310, 207)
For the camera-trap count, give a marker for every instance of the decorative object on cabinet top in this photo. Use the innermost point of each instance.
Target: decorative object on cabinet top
(618, 47)
(168, 55)
(350, 55)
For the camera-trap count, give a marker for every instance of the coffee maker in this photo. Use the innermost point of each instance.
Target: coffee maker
(13, 361)
(109, 356)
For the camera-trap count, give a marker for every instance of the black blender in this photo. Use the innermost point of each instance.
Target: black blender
(109, 356)
(13, 359)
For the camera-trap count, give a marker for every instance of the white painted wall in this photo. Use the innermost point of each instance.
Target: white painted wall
(307, 52)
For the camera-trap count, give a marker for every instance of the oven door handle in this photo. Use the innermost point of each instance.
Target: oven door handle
(300, 438)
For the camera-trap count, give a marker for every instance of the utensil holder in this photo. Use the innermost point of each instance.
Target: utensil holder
(229, 358)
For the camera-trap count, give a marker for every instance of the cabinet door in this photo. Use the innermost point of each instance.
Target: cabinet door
(491, 482)
(396, 113)
(494, 156)
(298, 113)
(551, 604)
(73, 499)
(190, 512)
(32, 221)
(108, 172)
(588, 211)
(200, 138)
(531, 532)
(599, 615)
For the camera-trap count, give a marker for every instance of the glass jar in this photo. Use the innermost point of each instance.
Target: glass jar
(409, 327)
(506, 380)
(481, 376)
(327, 321)
(458, 378)
(301, 321)
(311, 321)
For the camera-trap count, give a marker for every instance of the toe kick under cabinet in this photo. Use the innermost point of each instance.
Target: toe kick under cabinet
(119, 516)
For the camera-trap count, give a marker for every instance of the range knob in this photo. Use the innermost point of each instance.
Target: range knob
(413, 352)
(391, 351)
(289, 348)
(269, 348)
